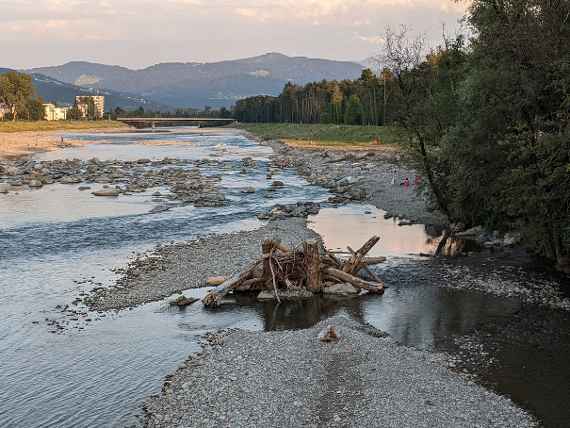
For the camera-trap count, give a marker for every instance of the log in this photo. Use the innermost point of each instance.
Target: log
(214, 298)
(266, 249)
(339, 275)
(371, 261)
(351, 265)
(312, 262)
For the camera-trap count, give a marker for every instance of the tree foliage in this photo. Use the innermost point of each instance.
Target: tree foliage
(16, 92)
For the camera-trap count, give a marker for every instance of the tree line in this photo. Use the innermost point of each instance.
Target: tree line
(351, 102)
(488, 117)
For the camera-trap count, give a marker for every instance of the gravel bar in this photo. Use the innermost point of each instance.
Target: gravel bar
(290, 378)
(173, 268)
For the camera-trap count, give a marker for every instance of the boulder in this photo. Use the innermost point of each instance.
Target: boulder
(277, 184)
(248, 190)
(341, 290)
(35, 184)
(214, 281)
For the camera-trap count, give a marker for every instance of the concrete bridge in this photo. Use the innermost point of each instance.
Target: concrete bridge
(152, 122)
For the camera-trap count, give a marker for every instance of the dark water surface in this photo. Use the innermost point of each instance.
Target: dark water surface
(54, 239)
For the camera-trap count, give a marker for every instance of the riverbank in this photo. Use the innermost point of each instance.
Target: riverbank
(328, 135)
(291, 378)
(20, 139)
(371, 176)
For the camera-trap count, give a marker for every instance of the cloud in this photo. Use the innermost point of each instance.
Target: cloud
(206, 30)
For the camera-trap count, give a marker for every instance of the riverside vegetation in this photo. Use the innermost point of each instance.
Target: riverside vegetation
(487, 118)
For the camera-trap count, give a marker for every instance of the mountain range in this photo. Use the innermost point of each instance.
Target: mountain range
(199, 84)
(61, 93)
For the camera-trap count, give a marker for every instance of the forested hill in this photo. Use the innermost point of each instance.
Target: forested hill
(199, 84)
(489, 120)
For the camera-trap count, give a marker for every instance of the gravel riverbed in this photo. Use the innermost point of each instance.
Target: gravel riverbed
(290, 378)
(364, 176)
(173, 268)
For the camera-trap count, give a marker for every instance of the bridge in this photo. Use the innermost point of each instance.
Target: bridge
(153, 122)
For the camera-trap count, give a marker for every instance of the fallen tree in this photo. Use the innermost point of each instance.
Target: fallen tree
(308, 266)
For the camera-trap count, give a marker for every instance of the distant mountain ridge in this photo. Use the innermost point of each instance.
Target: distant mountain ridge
(56, 91)
(198, 84)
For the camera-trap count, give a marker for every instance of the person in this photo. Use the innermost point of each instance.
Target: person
(394, 173)
(406, 182)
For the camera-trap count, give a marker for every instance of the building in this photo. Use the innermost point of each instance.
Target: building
(52, 112)
(82, 102)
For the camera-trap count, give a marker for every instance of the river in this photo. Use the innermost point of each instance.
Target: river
(57, 242)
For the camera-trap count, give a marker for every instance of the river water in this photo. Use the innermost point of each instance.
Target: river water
(56, 242)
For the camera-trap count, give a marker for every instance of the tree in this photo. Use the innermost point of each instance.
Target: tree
(353, 114)
(35, 109)
(15, 91)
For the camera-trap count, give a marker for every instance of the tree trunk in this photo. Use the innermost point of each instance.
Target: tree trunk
(373, 287)
(312, 265)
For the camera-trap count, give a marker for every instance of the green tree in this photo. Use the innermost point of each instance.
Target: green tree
(15, 91)
(353, 114)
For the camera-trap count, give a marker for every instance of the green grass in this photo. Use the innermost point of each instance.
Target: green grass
(326, 134)
(43, 125)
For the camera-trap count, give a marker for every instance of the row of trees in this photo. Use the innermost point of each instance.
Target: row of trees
(490, 119)
(489, 116)
(352, 102)
(206, 112)
(18, 97)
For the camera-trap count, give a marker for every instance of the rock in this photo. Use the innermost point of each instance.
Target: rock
(70, 180)
(214, 281)
(289, 294)
(4, 188)
(277, 184)
(84, 188)
(107, 192)
(182, 301)
(300, 209)
(511, 239)
(248, 190)
(35, 184)
(329, 334)
(341, 290)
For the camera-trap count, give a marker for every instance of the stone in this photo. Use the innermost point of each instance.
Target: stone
(84, 188)
(4, 188)
(214, 281)
(329, 334)
(341, 290)
(289, 294)
(35, 184)
(182, 301)
(277, 184)
(107, 192)
(248, 190)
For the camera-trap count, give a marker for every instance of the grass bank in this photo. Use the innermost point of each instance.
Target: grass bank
(63, 125)
(327, 134)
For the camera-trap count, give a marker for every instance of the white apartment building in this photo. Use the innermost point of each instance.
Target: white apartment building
(52, 112)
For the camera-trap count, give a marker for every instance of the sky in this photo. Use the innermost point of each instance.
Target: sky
(139, 33)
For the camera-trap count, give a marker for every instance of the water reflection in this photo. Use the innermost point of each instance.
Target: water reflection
(355, 224)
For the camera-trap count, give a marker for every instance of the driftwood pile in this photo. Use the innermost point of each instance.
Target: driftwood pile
(308, 267)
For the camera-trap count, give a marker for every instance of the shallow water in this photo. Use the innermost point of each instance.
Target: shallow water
(57, 242)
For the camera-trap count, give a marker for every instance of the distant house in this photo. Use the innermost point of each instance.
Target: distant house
(52, 112)
(82, 102)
